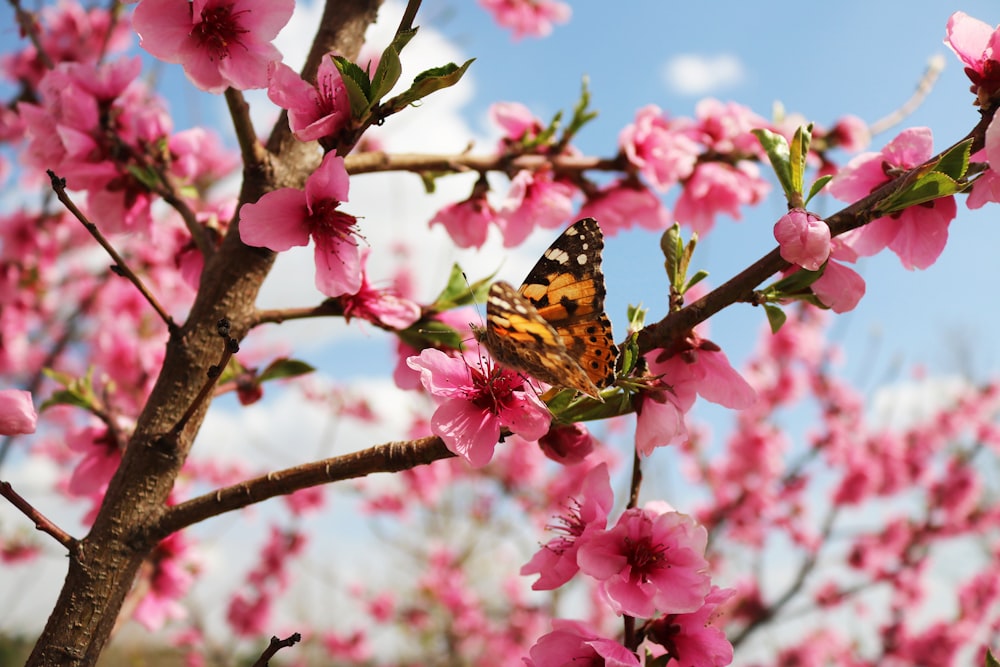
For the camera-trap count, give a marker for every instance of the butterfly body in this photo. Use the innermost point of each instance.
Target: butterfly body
(554, 327)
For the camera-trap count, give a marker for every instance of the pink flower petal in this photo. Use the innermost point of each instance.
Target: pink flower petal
(278, 220)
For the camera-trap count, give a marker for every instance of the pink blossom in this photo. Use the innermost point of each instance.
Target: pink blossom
(621, 205)
(516, 121)
(100, 460)
(408, 378)
(976, 43)
(715, 188)
(17, 412)
(649, 563)
(555, 562)
(198, 156)
(352, 648)
(287, 217)
(567, 443)
(725, 127)
(986, 188)
(916, 235)
(467, 222)
(534, 199)
(380, 307)
(840, 288)
(220, 43)
(532, 18)
(67, 32)
(703, 370)
(475, 405)
(692, 639)
(850, 133)
(572, 643)
(804, 239)
(314, 111)
(661, 149)
(170, 576)
(659, 419)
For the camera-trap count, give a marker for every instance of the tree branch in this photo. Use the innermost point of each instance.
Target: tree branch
(120, 267)
(274, 646)
(42, 522)
(378, 161)
(741, 287)
(388, 457)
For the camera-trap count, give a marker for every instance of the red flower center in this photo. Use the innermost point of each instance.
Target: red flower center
(644, 557)
(219, 30)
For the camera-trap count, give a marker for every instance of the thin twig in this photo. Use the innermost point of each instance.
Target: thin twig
(120, 267)
(229, 348)
(42, 523)
(409, 15)
(934, 67)
(274, 646)
(29, 26)
(633, 496)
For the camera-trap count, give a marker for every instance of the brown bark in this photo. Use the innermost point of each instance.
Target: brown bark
(103, 567)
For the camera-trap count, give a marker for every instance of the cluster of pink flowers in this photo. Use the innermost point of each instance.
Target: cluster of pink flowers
(533, 18)
(649, 565)
(250, 609)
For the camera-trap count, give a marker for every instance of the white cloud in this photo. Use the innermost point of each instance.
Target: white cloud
(907, 404)
(697, 74)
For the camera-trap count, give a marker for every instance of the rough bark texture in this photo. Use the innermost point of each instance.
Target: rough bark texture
(103, 568)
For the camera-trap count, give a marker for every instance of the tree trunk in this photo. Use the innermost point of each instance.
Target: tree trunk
(103, 567)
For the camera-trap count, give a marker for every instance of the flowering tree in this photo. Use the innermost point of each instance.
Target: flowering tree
(124, 364)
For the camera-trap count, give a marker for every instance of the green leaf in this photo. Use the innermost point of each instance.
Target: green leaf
(927, 188)
(426, 83)
(581, 114)
(284, 368)
(795, 283)
(817, 186)
(459, 292)
(943, 178)
(955, 162)
(991, 661)
(779, 154)
(630, 350)
(358, 86)
(432, 333)
(147, 176)
(695, 279)
(775, 317)
(672, 246)
(66, 397)
(798, 152)
(389, 68)
(76, 391)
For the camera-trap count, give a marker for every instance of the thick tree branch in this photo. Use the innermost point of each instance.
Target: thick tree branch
(389, 457)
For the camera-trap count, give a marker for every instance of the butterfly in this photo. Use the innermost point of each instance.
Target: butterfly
(554, 327)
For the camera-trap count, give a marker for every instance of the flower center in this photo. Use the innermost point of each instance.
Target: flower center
(644, 557)
(218, 30)
(327, 221)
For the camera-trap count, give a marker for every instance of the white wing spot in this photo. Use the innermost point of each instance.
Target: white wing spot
(581, 259)
(557, 255)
